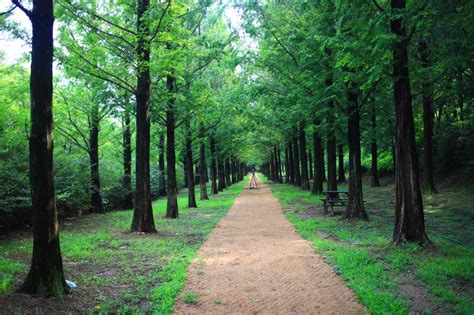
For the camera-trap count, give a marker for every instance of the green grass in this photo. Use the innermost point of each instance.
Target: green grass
(190, 297)
(124, 273)
(362, 254)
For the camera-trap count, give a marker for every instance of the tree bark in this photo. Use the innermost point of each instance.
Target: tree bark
(46, 276)
(341, 176)
(331, 151)
(374, 172)
(323, 163)
(190, 166)
(280, 166)
(318, 162)
(291, 163)
(96, 197)
(214, 174)
(221, 173)
(303, 157)
(409, 216)
(172, 188)
(161, 166)
(310, 162)
(296, 160)
(428, 182)
(228, 181)
(355, 205)
(143, 213)
(127, 202)
(202, 165)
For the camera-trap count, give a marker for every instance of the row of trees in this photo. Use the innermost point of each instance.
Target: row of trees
(379, 78)
(168, 66)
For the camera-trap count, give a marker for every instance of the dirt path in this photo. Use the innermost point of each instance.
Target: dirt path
(255, 262)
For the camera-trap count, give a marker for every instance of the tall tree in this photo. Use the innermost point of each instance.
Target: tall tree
(143, 212)
(46, 275)
(409, 216)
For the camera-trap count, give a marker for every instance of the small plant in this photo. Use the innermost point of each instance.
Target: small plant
(218, 302)
(190, 297)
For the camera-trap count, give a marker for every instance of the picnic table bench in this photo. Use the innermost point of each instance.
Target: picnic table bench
(334, 198)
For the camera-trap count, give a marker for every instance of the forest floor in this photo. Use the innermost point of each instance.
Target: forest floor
(115, 271)
(255, 262)
(388, 278)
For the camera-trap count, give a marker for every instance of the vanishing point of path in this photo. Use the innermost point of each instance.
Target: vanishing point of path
(255, 262)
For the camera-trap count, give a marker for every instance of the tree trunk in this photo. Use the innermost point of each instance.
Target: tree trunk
(331, 151)
(291, 163)
(161, 166)
(296, 160)
(341, 176)
(374, 172)
(323, 163)
(287, 167)
(303, 158)
(202, 165)
(355, 204)
(46, 276)
(143, 213)
(280, 166)
(190, 166)
(185, 170)
(310, 162)
(172, 187)
(318, 162)
(228, 181)
(96, 197)
(409, 216)
(221, 173)
(275, 164)
(428, 182)
(127, 202)
(214, 174)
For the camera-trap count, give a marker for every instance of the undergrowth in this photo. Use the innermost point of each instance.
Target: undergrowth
(362, 253)
(117, 271)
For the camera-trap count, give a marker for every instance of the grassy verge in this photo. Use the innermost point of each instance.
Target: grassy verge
(387, 278)
(114, 270)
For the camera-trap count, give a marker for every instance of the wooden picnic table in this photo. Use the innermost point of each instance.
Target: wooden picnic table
(333, 198)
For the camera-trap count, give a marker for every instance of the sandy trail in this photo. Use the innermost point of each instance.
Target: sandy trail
(255, 262)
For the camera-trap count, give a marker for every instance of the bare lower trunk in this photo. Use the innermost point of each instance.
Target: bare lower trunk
(96, 197)
(409, 216)
(303, 157)
(202, 166)
(161, 166)
(46, 276)
(310, 163)
(341, 176)
(296, 160)
(374, 172)
(291, 163)
(172, 187)
(287, 165)
(280, 166)
(331, 152)
(127, 202)
(318, 162)
(214, 174)
(355, 205)
(228, 182)
(190, 166)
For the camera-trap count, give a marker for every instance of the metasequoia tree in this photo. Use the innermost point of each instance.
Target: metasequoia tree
(46, 275)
